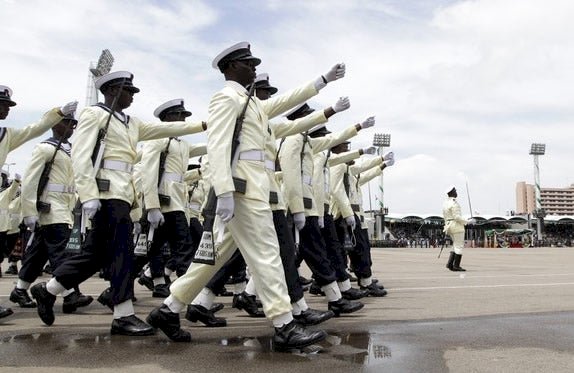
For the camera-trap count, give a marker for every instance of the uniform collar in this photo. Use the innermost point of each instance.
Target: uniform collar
(236, 86)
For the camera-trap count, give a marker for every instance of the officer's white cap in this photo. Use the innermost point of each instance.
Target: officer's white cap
(319, 127)
(4, 172)
(6, 95)
(237, 52)
(117, 78)
(262, 82)
(171, 105)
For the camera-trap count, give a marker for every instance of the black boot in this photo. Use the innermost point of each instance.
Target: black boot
(195, 313)
(146, 281)
(105, 299)
(12, 270)
(168, 322)
(313, 317)
(248, 303)
(450, 261)
(354, 294)
(132, 326)
(160, 291)
(4, 312)
(374, 291)
(345, 306)
(21, 297)
(293, 336)
(456, 265)
(315, 289)
(45, 302)
(74, 301)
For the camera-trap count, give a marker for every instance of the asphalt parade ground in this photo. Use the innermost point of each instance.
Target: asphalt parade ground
(512, 311)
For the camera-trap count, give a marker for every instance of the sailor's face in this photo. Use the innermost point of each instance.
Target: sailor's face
(4, 110)
(246, 69)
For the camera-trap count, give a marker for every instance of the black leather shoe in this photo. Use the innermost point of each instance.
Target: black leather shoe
(74, 301)
(197, 313)
(105, 299)
(21, 297)
(131, 325)
(345, 306)
(146, 281)
(315, 289)
(354, 294)
(5, 312)
(45, 302)
(216, 307)
(12, 270)
(161, 291)
(294, 336)
(374, 291)
(248, 303)
(167, 280)
(168, 322)
(224, 293)
(313, 317)
(304, 281)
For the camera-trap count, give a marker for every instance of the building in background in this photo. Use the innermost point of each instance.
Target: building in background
(555, 201)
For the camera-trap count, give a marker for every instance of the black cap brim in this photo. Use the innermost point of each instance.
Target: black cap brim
(9, 102)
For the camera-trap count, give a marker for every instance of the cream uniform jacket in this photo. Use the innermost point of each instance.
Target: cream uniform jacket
(196, 194)
(341, 200)
(362, 179)
(121, 142)
(224, 108)
(282, 130)
(172, 183)
(61, 175)
(15, 210)
(6, 196)
(14, 137)
(453, 220)
(296, 158)
(321, 175)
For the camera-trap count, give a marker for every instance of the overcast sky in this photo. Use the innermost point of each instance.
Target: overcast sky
(463, 87)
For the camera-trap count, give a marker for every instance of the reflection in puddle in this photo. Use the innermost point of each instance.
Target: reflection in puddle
(365, 349)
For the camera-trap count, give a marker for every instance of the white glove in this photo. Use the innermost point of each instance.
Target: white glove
(350, 220)
(370, 150)
(137, 228)
(69, 108)
(299, 220)
(472, 221)
(30, 222)
(91, 207)
(342, 104)
(155, 217)
(18, 177)
(389, 155)
(225, 206)
(336, 72)
(369, 122)
(321, 221)
(389, 162)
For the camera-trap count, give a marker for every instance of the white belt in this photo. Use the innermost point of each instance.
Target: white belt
(307, 179)
(194, 206)
(172, 176)
(118, 166)
(60, 188)
(257, 155)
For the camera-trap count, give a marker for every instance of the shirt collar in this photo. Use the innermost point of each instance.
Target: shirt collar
(238, 87)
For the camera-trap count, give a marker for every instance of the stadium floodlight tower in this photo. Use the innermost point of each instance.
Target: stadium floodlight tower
(103, 67)
(381, 140)
(535, 150)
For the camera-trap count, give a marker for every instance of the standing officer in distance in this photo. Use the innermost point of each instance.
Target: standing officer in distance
(107, 191)
(454, 227)
(11, 138)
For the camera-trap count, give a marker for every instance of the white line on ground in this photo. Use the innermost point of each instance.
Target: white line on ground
(479, 286)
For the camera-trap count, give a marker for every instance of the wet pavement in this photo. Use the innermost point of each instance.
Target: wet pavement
(513, 311)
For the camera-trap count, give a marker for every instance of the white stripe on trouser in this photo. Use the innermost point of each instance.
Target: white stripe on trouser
(457, 242)
(253, 232)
